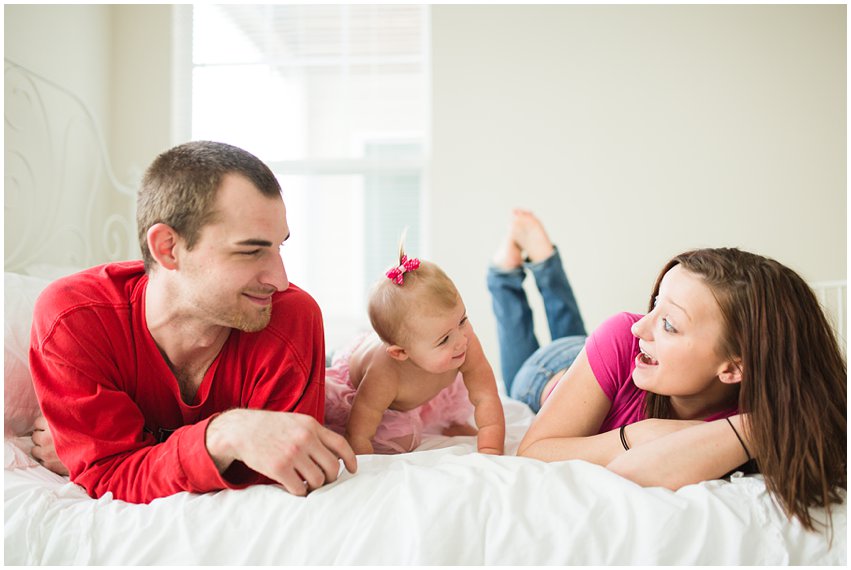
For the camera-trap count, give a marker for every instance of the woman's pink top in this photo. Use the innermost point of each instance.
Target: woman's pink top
(611, 350)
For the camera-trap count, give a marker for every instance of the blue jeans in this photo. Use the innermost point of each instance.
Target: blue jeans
(526, 366)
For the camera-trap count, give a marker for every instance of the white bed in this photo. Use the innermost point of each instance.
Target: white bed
(442, 504)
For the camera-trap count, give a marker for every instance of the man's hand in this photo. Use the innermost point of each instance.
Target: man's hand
(43, 450)
(292, 449)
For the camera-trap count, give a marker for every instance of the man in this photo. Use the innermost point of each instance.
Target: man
(200, 368)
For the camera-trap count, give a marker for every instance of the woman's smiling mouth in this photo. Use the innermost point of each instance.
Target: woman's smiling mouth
(643, 358)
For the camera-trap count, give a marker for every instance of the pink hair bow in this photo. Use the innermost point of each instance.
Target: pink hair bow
(396, 273)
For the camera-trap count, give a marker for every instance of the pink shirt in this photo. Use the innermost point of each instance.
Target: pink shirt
(611, 350)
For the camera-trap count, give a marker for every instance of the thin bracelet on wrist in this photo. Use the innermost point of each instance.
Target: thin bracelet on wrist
(623, 438)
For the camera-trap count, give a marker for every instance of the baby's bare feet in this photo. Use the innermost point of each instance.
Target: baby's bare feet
(528, 233)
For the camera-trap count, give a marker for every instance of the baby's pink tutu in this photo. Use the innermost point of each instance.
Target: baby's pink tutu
(450, 406)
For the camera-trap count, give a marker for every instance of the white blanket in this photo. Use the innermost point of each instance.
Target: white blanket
(443, 504)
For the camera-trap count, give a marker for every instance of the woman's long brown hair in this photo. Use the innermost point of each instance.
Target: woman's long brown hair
(794, 379)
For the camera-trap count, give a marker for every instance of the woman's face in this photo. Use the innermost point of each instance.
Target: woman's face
(679, 341)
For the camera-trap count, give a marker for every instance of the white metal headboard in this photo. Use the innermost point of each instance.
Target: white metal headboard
(63, 204)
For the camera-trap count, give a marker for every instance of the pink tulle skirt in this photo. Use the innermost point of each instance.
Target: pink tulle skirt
(450, 406)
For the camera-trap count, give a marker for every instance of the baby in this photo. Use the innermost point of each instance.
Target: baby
(422, 370)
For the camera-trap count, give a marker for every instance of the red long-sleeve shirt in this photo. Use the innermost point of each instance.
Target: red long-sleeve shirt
(113, 404)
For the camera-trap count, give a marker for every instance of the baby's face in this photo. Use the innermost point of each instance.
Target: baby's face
(438, 342)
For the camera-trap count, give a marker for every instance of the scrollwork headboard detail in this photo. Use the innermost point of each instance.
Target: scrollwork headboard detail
(63, 204)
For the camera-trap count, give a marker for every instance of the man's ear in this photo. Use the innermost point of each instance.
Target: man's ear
(731, 371)
(396, 352)
(162, 241)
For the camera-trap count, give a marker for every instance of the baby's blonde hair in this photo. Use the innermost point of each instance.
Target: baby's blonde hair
(425, 290)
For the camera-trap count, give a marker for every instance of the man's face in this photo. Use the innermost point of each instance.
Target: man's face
(235, 267)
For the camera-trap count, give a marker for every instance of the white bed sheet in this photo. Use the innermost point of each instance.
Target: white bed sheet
(443, 504)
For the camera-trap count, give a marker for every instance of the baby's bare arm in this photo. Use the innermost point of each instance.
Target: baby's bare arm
(481, 385)
(377, 390)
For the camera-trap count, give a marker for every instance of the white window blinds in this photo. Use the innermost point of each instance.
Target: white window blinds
(335, 99)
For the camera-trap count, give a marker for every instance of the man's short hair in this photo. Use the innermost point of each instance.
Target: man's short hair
(179, 188)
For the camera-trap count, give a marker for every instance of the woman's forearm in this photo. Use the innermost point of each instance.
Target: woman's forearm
(599, 449)
(666, 453)
(700, 452)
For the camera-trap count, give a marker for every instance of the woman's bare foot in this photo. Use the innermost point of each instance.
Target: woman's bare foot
(529, 235)
(508, 256)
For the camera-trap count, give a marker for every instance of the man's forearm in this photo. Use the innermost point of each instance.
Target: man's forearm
(219, 438)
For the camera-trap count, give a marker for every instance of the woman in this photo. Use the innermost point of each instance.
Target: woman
(734, 361)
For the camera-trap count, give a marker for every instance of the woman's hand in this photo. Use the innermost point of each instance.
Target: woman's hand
(43, 449)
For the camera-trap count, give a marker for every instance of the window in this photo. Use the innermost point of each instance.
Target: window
(335, 99)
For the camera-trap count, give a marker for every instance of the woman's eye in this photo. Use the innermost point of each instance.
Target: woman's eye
(667, 326)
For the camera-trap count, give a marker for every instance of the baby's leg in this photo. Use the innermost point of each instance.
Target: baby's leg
(459, 429)
(398, 432)
(405, 443)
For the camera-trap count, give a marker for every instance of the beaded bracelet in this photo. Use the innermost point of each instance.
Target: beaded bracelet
(748, 453)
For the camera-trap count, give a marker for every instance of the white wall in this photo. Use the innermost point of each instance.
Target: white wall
(637, 132)
(118, 61)
(141, 83)
(117, 58)
(68, 44)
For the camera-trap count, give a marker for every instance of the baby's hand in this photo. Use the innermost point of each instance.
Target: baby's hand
(460, 429)
(360, 445)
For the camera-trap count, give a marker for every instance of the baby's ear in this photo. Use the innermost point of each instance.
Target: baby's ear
(396, 352)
